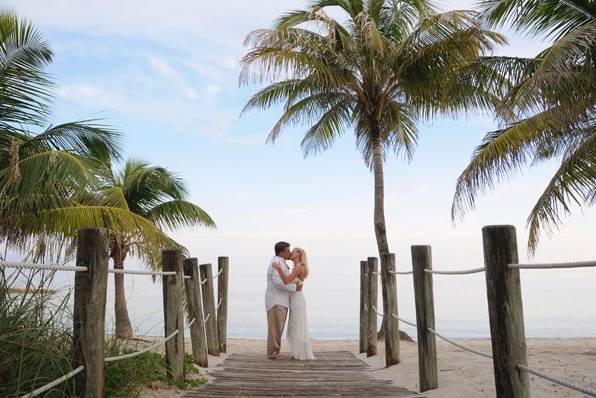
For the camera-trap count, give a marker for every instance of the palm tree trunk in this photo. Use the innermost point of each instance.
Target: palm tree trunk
(379, 212)
(379, 215)
(123, 327)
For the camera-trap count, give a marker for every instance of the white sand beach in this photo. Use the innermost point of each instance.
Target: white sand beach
(460, 374)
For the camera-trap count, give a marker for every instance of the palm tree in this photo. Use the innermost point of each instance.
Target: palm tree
(388, 65)
(155, 194)
(547, 111)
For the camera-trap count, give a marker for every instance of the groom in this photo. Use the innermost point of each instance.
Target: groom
(277, 299)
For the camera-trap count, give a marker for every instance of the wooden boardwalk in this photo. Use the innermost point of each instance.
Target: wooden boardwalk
(333, 374)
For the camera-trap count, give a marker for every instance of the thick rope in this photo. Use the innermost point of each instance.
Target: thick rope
(403, 320)
(203, 281)
(206, 319)
(191, 322)
(187, 277)
(459, 345)
(48, 386)
(216, 275)
(460, 272)
(219, 303)
(558, 380)
(144, 350)
(401, 272)
(48, 267)
(575, 264)
(374, 308)
(134, 272)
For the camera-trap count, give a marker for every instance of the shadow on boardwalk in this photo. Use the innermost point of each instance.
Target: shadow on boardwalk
(336, 373)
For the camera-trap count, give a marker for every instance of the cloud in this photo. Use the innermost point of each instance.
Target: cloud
(173, 76)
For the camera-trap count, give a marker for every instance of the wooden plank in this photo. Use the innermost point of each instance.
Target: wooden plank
(90, 311)
(338, 374)
(425, 318)
(222, 297)
(173, 312)
(505, 311)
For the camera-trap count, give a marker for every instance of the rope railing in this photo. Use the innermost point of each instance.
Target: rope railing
(203, 281)
(482, 354)
(144, 350)
(573, 264)
(216, 275)
(136, 272)
(558, 380)
(54, 383)
(401, 272)
(191, 322)
(218, 303)
(187, 277)
(46, 267)
(403, 320)
(455, 272)
(206, 319)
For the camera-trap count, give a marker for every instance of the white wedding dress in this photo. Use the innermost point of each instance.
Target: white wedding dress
(298, 328)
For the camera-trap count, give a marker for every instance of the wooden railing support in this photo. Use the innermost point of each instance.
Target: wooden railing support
(364, 305)
(223, 264)
(209, 308)
(194, 303)
(90, 311)
(425, 317)
(389, 283)
(373, 267)
(173, 313)
(505, 311)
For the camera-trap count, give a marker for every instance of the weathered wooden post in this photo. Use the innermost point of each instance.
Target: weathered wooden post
(90, 311)
(505, 311)
(389, 293)
(194, 303)
(364, 305)
(222, 302)
(173, 313)
(209, 309)
(371, 344)
(425, 317)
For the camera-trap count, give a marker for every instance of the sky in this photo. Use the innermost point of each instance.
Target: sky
(166, 76)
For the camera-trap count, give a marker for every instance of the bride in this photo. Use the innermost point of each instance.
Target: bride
(297, 325)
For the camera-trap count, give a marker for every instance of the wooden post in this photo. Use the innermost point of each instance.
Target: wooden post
(371, 345)
(173, 313)
(505, 311)
(364, 305)
(222, 299)
(390, 307)
(194, 303)
(425, 317)
(89, 312)
(209, 308)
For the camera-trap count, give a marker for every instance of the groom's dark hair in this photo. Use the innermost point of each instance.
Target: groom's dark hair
(280, 247)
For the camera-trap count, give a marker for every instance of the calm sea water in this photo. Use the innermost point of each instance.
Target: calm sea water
(556, 304)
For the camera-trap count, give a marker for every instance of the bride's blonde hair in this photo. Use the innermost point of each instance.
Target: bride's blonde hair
(304, 260)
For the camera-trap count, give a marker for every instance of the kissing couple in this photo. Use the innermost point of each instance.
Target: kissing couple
(284, 291)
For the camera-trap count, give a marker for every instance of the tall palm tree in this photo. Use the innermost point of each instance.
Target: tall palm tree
(547, 111)
(379, 70)
(155, 194)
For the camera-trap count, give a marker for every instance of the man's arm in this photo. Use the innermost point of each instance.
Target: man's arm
(279, 283)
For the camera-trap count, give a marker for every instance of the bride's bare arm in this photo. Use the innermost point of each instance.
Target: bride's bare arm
(288, 278)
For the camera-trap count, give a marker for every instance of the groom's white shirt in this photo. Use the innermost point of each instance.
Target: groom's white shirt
(277, 293)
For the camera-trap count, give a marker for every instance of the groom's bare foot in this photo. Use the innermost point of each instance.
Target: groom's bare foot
(279, 357)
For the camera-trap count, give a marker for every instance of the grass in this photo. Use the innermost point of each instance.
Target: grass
(36, 344)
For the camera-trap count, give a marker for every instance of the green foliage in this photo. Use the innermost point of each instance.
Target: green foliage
(547, 110)
(127, 378)
(35, 335)
(378, 70)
